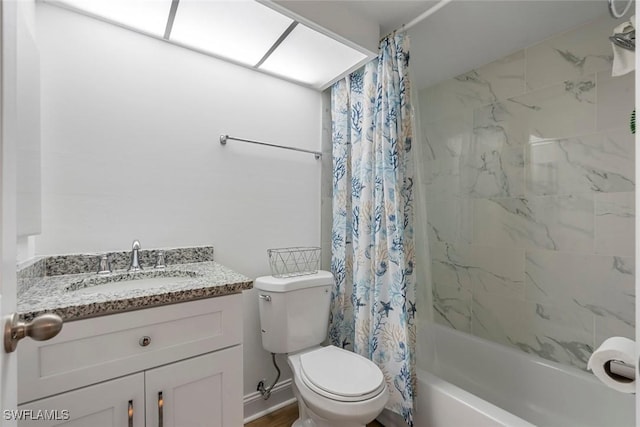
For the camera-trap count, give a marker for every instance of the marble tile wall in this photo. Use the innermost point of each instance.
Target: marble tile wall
(528, 165)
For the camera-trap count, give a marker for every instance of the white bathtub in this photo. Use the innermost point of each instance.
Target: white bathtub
(473, 382)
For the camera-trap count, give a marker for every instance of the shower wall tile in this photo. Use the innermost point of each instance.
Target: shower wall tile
(442, 176)
(450, 266)
(567, 278)
(621, 143)
(501, 222)
(562, 223)
(449, 218)
(529, 187)
(452, 308)
(446, 139)
(490, 169)
(446, 99)
(555, 223)
(558, 111)
(499, 319)
(591, 163)
(615, 223)
(571, 55)
(501, 123)
(559, 334)
(483, 269)
(548, 331)
(615, 100)
(497, 271)
(596, 284)
(606, 327)
(497, 80)
(451, 301)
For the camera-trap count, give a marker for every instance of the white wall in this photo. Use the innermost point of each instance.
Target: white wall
(130, 150)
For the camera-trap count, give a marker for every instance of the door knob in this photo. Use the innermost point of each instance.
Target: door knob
(43, 327)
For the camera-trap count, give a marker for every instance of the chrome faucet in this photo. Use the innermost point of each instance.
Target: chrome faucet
(135, 260)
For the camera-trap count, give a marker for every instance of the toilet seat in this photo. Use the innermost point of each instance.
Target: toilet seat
(341, 375)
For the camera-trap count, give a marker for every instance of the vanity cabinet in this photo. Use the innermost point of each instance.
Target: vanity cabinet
(172, 366)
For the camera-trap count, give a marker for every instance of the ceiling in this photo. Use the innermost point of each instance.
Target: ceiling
(389, 14)
(466, 34)
(246, 33)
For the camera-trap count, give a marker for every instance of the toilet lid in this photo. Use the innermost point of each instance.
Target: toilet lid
(340, 374)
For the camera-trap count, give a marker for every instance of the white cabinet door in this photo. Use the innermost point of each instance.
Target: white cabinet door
(115, 403)
(205, 391)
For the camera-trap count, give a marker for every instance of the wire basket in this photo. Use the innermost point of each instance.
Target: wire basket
(297, 261)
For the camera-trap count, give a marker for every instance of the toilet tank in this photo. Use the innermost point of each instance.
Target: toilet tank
(294, 311)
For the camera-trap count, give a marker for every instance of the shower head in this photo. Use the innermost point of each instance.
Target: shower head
(625, 40)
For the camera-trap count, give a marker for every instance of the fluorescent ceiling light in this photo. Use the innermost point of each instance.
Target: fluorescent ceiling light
(149, 16)
(240, 30)
(311, 57)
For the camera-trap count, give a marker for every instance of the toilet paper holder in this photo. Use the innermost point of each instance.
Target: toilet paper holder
(620, 371)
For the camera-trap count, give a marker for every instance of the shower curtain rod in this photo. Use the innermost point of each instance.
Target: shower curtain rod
(225, 138)
(425, 14)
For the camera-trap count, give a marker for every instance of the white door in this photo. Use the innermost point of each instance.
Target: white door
(8, 229)
(202, 391)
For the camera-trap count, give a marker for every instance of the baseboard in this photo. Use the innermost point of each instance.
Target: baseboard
(255, 406)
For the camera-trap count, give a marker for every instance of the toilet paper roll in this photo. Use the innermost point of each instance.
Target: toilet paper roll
(611, 350)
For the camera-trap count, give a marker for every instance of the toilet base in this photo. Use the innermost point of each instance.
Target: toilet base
(310, 419)
(304, 423)
(319, 422)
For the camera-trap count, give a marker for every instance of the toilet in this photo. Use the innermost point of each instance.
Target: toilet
(334, 387)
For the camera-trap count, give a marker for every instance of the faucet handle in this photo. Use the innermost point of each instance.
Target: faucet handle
(104, 265)
(160, 263)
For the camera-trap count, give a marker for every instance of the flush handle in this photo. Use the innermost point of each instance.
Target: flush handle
(265, 297)
(42, 328)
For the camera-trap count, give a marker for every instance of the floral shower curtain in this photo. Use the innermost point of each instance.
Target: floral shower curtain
(373, 303)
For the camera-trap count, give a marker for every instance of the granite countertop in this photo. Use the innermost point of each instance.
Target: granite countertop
(69, 286)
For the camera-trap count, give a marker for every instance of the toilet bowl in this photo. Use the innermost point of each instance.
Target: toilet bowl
(336, 388)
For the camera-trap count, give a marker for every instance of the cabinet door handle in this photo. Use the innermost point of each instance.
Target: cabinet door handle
(130, 413)
(160, 405)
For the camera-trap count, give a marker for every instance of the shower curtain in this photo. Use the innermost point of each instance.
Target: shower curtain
(373, 303)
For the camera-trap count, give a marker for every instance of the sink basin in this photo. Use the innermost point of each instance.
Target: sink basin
(144, 280)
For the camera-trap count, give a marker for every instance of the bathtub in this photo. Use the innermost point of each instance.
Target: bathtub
(473, 382)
